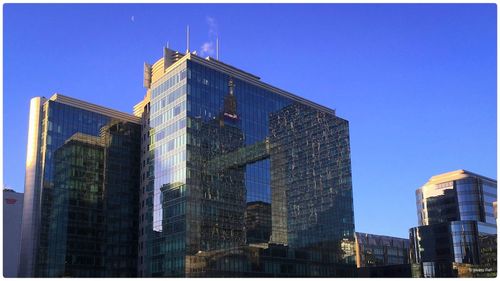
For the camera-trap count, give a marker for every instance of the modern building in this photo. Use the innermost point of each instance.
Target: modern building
(12, 217)
(382, 256)
(457, 233)
(238, 177)
(81, 191)
(380, 250)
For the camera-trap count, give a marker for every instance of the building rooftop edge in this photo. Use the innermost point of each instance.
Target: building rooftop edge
(233, 67)
(454, 175)
(388, 236)
(248, 77)
(94, 107)
(11, 190)
(256, 80)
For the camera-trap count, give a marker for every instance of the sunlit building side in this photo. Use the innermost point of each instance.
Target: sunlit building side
(239, 178)
(457, 233)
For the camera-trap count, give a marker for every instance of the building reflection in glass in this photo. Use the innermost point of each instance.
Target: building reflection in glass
(242, 180)
(378, 250)
(81, 200)
(258, 222)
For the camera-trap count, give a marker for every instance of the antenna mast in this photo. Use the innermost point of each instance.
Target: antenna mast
(187, 39)
(217, 47)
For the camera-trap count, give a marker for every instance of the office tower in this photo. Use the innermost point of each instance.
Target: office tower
(457, 230)
(258, 222)
(382, 256)
(12, 217)
(239, 178)
(81, 191)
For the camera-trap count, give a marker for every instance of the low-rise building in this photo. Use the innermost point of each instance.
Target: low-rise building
(12, 218)
(382, 256)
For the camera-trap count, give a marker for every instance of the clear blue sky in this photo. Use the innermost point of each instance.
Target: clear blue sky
(416, 82)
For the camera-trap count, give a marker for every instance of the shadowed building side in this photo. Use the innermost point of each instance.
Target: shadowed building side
(12, 219)
(67, 200)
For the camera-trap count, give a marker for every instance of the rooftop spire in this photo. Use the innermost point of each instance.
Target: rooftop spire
(217, 47)
(187, 39)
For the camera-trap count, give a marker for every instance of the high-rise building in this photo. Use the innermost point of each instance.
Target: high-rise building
(81, 191)
(457, 230)
(239, 178)
(12, 217)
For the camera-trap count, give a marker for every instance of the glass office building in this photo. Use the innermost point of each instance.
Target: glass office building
(457, 233)
(380, 250)
(81, 191)
(239, 178)
(382, 256)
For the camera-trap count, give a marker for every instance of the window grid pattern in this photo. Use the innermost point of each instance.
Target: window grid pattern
(214, 131)
(89, 163)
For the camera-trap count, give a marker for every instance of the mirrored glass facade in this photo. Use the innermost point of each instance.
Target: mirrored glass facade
(378, 250)
(457, 233)
(81, 199)
(240, 178)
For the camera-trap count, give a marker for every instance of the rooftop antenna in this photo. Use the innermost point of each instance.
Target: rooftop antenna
(168, 45)
(187, 39)
(217, 47)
